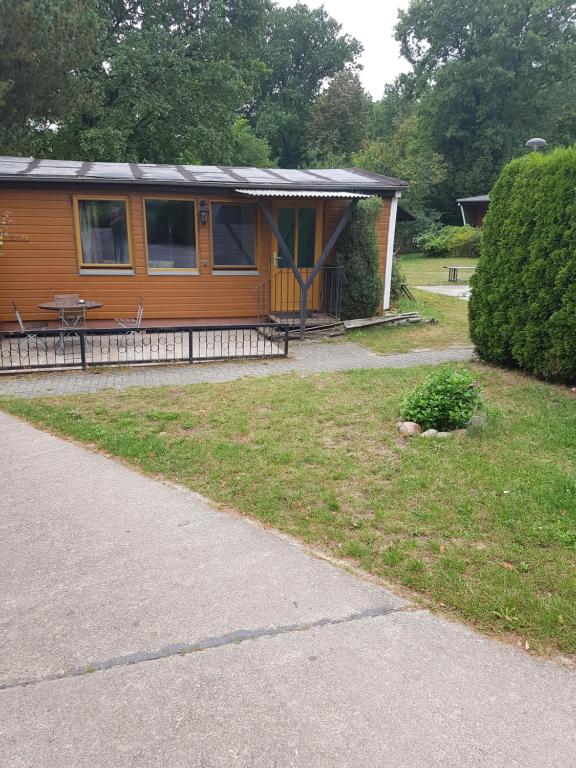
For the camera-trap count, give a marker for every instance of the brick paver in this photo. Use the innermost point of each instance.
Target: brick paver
(307, 358)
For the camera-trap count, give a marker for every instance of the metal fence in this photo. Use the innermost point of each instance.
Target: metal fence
(82, 348)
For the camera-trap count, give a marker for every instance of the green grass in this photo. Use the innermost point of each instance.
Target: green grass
(451, 328)
(419, 270)
(483, 527)
(451, 314)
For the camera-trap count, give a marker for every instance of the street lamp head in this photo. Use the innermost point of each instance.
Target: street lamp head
(536, 144)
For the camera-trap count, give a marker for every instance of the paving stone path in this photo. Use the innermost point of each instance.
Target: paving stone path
(307, 358)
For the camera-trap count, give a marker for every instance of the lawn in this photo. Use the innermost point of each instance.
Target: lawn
(420, 270)
(451, 328)
(482, 527)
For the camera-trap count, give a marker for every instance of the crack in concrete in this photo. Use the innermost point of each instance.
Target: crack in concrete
(182, 649)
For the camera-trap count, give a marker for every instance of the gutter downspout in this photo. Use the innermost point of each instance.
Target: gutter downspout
(390, 250)
(463, 214)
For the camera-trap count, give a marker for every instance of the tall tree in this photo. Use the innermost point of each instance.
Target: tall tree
(161, 80)
(338, 121)
(487, 76)
(43, 45)
(171, 82)
(302, 50)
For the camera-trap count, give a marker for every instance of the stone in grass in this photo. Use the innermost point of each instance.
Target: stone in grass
(409, 428)
(435, 433)
(476, 424)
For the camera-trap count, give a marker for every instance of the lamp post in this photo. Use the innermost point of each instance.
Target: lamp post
(536, 144)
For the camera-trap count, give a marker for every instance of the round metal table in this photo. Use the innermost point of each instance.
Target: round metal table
(56, 306)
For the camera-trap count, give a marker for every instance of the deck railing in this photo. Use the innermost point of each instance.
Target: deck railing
(83, 348)
(279, 296)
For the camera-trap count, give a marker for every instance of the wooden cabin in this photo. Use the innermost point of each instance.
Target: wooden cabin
(474, 209)
(198, 243)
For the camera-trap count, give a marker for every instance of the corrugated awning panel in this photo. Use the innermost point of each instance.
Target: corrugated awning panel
(299, 193)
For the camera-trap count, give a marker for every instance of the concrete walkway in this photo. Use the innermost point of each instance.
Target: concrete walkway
(315, 357)
(141, 628)
(456, 291)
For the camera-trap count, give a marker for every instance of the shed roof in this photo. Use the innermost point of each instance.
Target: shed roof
(27, 169)
(476, 199)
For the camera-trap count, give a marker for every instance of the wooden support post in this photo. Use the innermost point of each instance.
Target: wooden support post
(304, 285)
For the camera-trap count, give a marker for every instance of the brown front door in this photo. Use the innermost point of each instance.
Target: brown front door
(300, 224)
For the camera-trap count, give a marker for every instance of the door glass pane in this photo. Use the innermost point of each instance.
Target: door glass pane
(171, 232)
(286, 220)
(103, 231)
(306, 237)
(233, 235)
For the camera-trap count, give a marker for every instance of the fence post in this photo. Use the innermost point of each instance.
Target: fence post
(286, 339)
(83, 349)
(190, 345)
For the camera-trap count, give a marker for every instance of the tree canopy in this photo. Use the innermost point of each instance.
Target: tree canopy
(248, 82)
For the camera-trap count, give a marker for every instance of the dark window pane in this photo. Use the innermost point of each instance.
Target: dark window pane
(103, 231)
(171, 232)
(286, 220)
(306, 237)
(233, 235)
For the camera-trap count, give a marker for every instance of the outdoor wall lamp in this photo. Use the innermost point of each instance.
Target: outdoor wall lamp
(203, 212)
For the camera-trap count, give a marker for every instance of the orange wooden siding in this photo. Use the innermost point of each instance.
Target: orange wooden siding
(40, 259)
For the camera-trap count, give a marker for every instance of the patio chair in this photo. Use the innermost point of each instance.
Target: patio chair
(132, 324)
(73, 316)
(31, 329)
(67, 299)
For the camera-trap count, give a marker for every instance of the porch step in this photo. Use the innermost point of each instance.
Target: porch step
(313, 319)
(391, 319)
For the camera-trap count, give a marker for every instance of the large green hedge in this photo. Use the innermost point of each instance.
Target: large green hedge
(523, 305)
(357, 252)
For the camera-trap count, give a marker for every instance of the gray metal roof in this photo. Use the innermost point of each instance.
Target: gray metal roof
(27, 169)
(300, 193)
(477, 199)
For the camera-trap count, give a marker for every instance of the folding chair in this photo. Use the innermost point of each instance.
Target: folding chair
(132, 324)
(31, 329)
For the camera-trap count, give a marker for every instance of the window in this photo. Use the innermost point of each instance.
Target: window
(103, 232)
(171, 234)
(233, 236)
(298, 229)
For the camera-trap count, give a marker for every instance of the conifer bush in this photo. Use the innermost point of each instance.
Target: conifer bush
(523, 305)
(357, 252)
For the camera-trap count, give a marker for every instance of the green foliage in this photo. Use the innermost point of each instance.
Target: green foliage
(523, 304)
(398, 280)
(4, 221)
(248, 149)
(43, 45)
(337, 123)
(445, 400)
(486, 77)
(301, 50)
(357, 251)
(452, 242)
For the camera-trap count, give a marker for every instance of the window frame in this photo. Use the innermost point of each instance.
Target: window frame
(231, 269)
(92, 267)
(172, 270)
(296, 203)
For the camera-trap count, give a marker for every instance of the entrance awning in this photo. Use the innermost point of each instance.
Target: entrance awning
(300, 193)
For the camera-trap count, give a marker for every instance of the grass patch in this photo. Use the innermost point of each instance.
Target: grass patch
(451, 314)
(483, 526)
(420, 270)
(450, 330)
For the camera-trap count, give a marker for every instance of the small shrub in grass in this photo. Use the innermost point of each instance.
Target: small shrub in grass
(446, 400)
